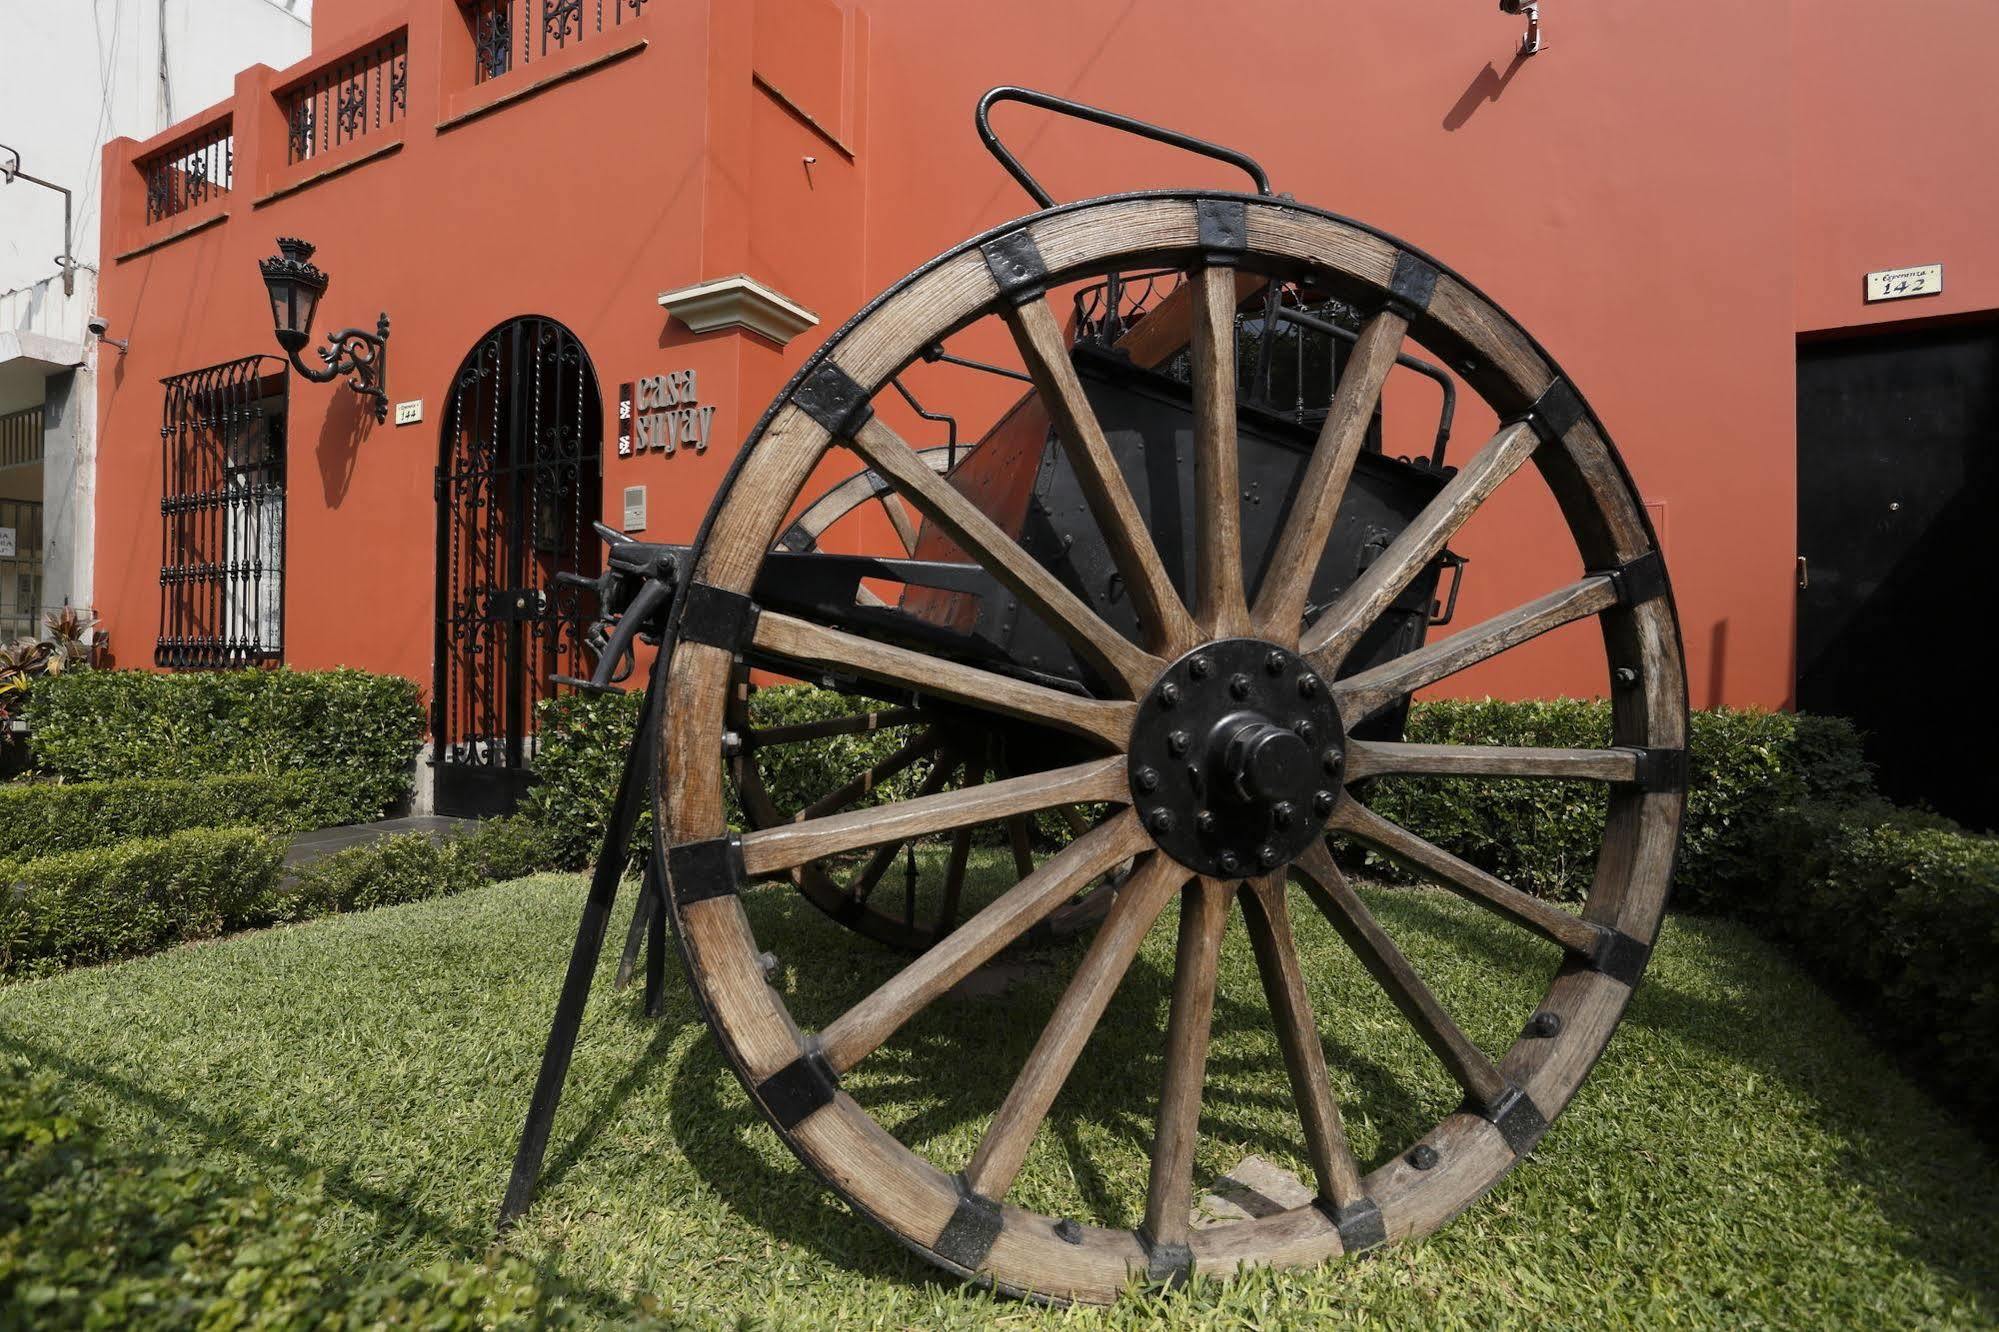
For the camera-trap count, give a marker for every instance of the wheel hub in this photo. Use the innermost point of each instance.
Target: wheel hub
(1236, 757)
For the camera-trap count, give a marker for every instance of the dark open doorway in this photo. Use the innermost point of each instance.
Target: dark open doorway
(518, 487)
(1898, 494)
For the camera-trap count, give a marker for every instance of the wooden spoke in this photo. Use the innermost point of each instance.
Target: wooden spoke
(981, 538)
(1335, 632)
(1376, 758)
(1159, 336)
(1267, 917)
(1362, 695)
(904, 525)
(1467, 880)
(1219, 604)
(864, 782)
(1334, 896)
(857, 723)
(831, 649)
(1021, 839)
(1001, 1152)
(862, 1028)
(1204, 914)
(954, 880)
(1168, 627)
(884, 855)
(1280, 601)
(863, 885)
(847, 496)
(769, 850)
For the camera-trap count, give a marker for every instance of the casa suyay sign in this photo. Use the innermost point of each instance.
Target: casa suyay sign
(663, 414)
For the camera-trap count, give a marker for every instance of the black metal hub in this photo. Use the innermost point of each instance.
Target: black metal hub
(1237, 757)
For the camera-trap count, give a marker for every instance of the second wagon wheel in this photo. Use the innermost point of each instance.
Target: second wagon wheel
(950, 751)
(1224, 735)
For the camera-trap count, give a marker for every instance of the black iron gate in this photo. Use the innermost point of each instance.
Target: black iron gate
(518, 488)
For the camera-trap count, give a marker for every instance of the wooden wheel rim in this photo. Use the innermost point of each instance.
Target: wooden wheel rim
(924, 1206)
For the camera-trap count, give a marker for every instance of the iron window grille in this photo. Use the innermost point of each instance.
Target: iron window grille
(513, 34)
(190, 172)
(348, 100)
(222, 516)
(21, 437)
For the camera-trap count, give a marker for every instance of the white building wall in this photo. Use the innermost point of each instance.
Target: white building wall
(75, 74)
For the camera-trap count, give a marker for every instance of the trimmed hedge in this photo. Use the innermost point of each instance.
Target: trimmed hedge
(92, 1239)
(139, 896)
(582, 750)
(103, 725)
(1542, 837)
(54, 818)
(1900, 910)
(120, 901)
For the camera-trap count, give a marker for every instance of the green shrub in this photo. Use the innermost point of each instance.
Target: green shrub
(1542, 837)
(1901, 910)
(51, 818)
(131, 898)
(101, 725)
(583, 740)
(411, 867)
(92, 1240)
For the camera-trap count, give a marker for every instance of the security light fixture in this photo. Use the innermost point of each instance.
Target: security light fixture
(295, 285)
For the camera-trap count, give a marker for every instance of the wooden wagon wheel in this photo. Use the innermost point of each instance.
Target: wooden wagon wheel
(1253, 643)
(857, 899)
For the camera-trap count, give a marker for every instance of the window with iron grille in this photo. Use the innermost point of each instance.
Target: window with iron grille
(513, 34)
(222, 512)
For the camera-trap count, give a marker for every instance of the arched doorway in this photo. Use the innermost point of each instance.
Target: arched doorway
(518, 487)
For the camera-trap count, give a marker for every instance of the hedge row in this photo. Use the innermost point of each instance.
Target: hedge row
(1899, 910)
(1542, 837)
(581, 752)
(103, 725)
(90, 1238)
(139, 896)
(53, 818)
(134, 897)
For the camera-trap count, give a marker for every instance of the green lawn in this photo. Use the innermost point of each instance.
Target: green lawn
(1741, 1156)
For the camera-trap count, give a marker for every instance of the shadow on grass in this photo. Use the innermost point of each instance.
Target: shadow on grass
(926, 1091)
(395, 1215)
(1909, 1155)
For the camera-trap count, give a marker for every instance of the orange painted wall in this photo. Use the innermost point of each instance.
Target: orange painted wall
(1637, 196)
(1897, 132)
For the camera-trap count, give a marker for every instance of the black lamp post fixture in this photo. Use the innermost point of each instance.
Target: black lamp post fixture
(295, 286)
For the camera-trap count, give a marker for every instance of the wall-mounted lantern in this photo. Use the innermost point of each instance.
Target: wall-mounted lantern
(295, 286)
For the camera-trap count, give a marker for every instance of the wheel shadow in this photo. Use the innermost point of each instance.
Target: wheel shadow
(928, 1094)
(1930, 1155)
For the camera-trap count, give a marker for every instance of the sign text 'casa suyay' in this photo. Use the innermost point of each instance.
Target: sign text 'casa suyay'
(663, 414)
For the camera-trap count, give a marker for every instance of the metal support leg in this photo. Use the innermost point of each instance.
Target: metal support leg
(655, 935)
(628, 962)
(633, 786)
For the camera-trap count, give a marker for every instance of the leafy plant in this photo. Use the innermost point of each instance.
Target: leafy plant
(98, 725)
(120, 901)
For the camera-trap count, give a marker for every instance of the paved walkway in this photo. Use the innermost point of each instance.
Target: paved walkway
(320, 843)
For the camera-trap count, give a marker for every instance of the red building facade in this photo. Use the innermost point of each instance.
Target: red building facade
(1668, 206)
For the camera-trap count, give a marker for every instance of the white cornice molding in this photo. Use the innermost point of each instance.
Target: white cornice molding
(738, 302)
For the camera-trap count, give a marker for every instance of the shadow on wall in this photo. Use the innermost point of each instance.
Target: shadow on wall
(349, 420)
(1487, 87)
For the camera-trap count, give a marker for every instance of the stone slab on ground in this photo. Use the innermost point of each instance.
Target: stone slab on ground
(317, 845)
(1253, 1187)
